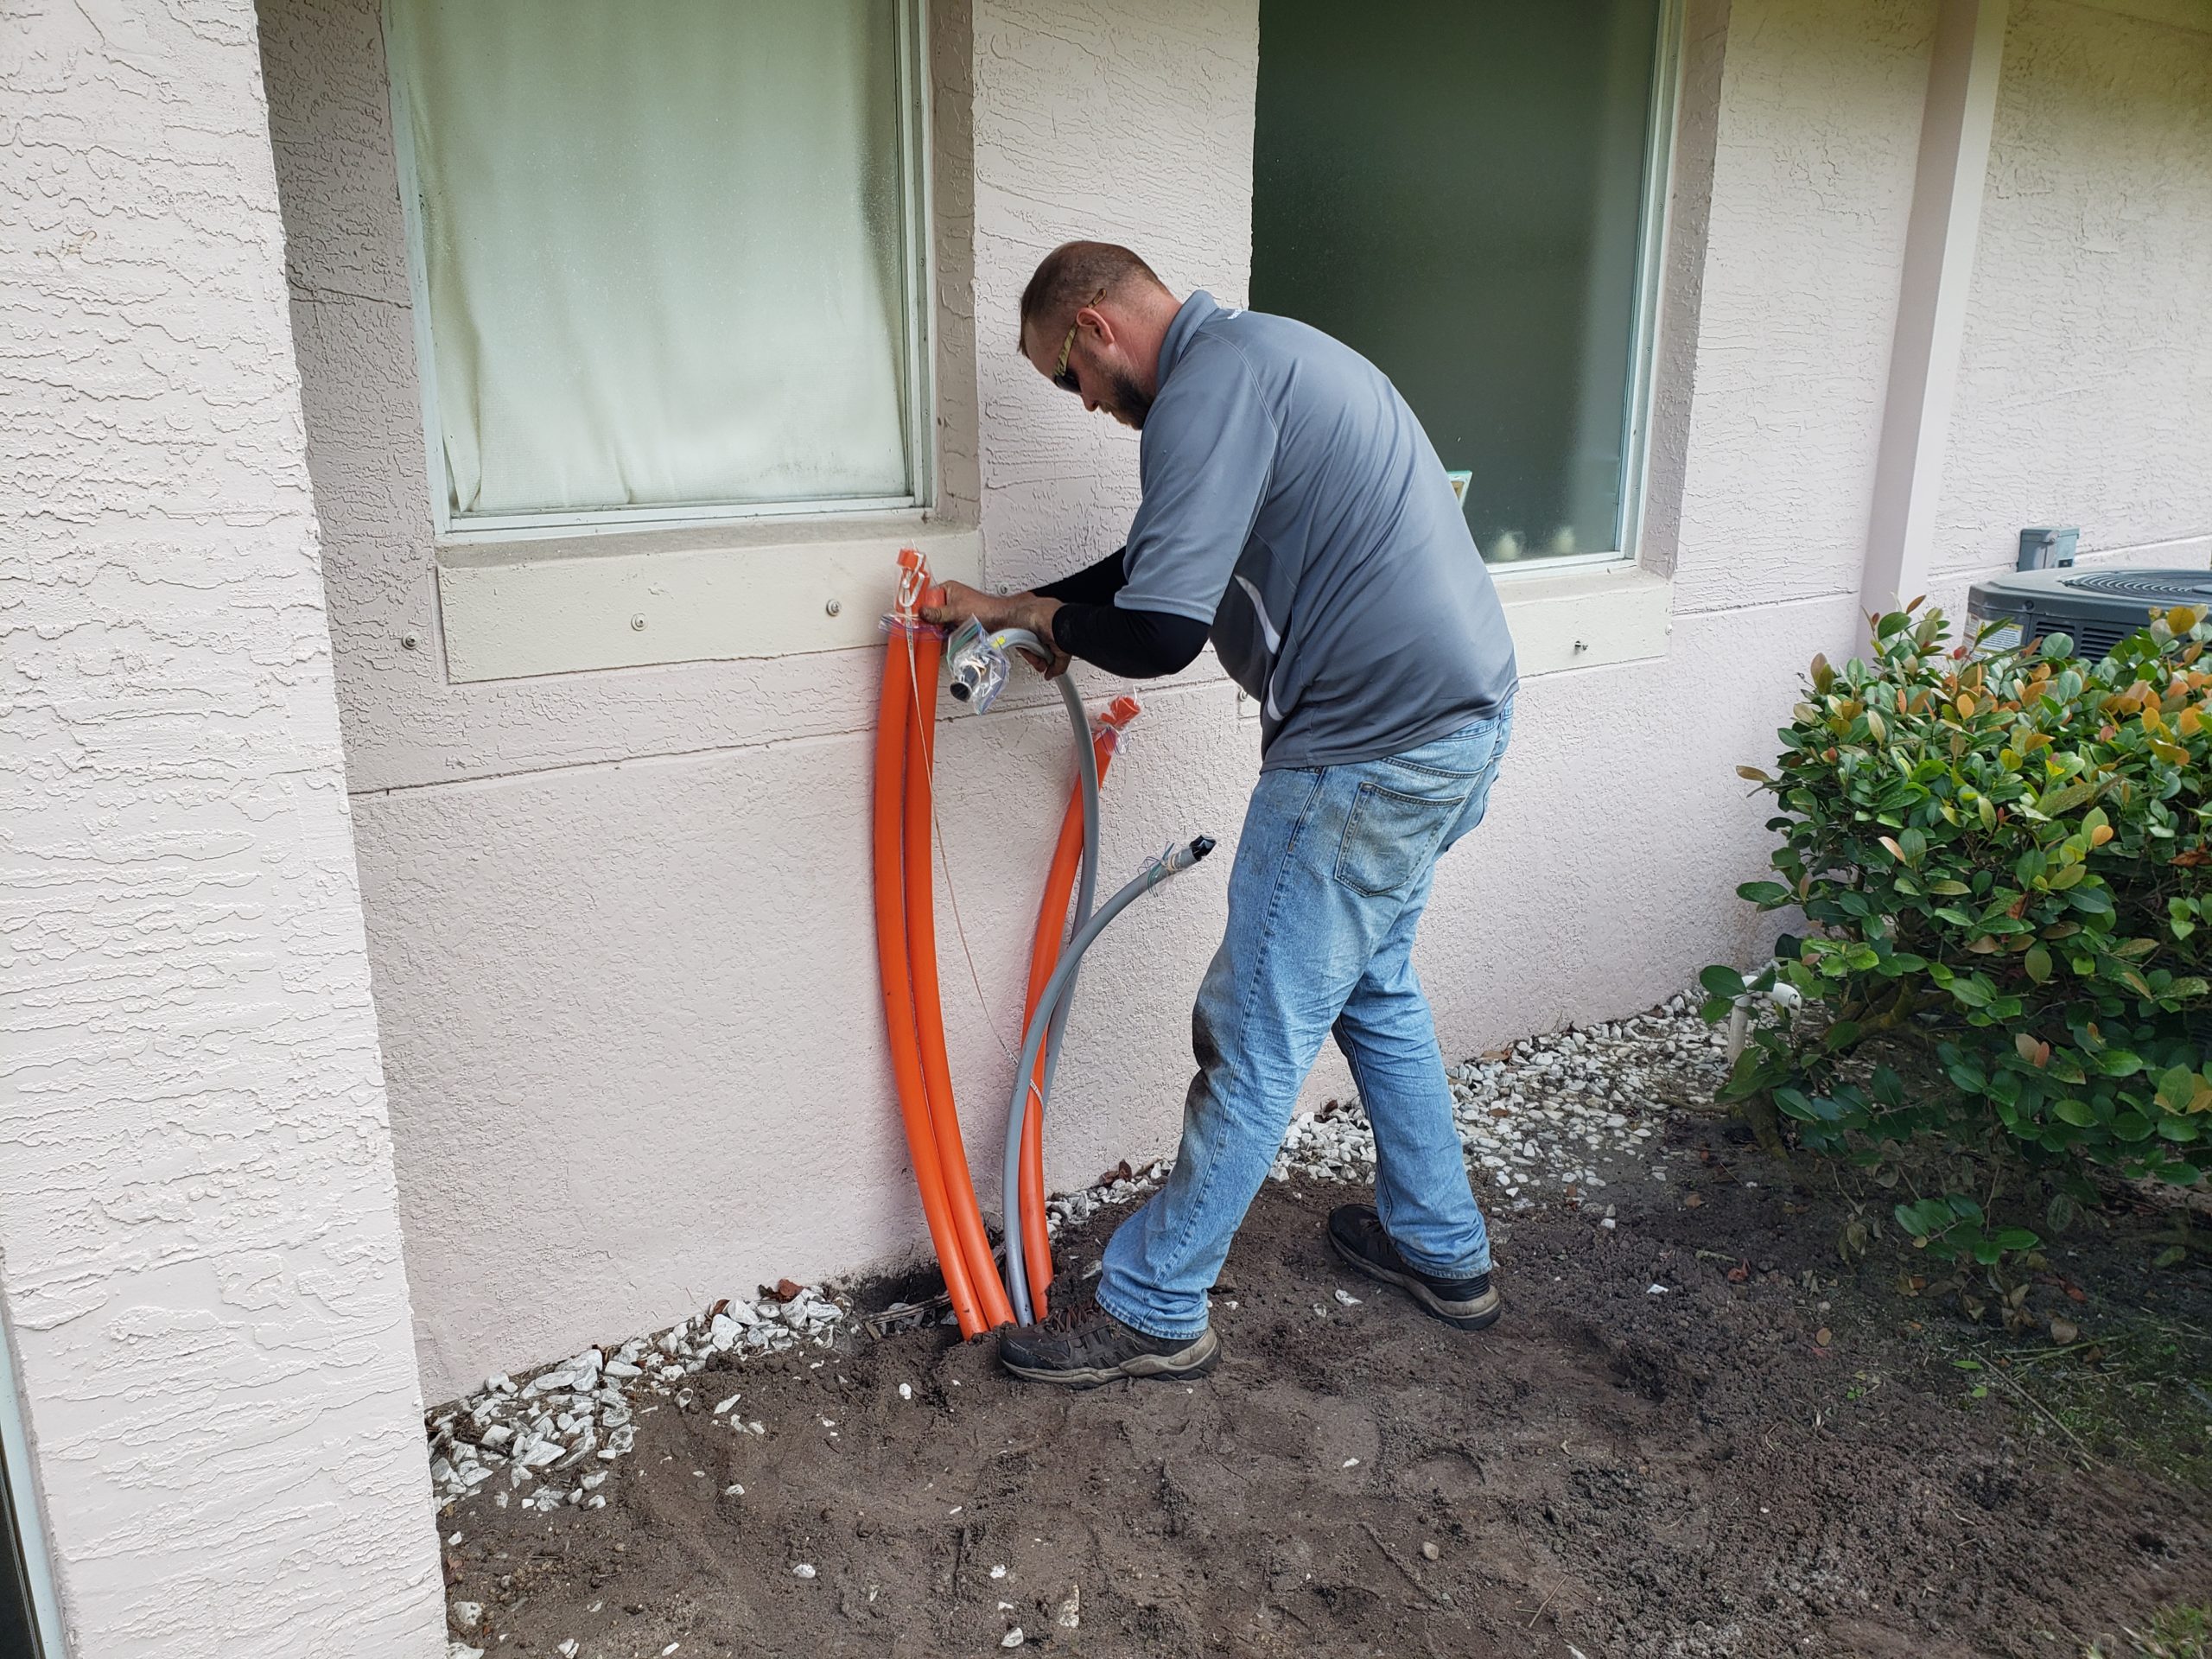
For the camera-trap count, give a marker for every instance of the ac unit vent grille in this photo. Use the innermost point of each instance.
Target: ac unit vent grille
(2091, 640)
(2160, 589)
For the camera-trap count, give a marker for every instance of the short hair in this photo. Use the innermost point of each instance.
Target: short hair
(1076, 274)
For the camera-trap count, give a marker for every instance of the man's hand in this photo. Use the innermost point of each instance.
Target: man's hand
(996, 611)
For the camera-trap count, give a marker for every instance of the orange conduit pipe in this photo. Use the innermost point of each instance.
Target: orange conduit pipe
(894, 724)
(1044, 956)
(959, 1189)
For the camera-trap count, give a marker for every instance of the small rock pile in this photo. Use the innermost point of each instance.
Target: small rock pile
(1117, 1186)
(1553, 1111)
(1549, 1116)
(557, 1431)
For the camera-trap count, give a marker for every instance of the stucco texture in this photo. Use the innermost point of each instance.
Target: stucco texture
(1818, 134)
(2085, 382)
(199, 1247)
(619, 921)
(620, 926)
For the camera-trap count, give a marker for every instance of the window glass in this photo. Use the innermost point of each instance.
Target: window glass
(1456, 189)
(667, 251)
(18, 1632)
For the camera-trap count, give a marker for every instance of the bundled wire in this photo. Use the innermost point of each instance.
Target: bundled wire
(907, 953)
(906, 938)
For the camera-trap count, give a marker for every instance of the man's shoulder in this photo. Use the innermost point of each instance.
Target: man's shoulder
(1220, 372)
(1260, 334)
(1281, 355)
(1234, 353)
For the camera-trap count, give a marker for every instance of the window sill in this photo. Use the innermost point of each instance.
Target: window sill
(1585, 618)
(559, 605)
(563, 606)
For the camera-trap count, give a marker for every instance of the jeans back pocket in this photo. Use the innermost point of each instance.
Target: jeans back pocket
(1390, 837)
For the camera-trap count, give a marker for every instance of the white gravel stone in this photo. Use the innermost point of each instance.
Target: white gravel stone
(1601, 1091)
(581, 1407)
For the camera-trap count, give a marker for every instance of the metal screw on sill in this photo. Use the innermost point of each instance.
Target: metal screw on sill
(409, 642)
(637, 622)
(833, 608)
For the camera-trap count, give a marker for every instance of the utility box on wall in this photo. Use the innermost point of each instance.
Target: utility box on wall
(2043, 548)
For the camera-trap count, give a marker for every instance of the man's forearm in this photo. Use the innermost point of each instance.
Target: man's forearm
(1095, 584)
(1138, 645)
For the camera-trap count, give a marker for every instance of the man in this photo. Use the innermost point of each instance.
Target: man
(1295, 513)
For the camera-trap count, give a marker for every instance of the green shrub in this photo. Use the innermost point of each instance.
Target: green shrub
(2006, 858)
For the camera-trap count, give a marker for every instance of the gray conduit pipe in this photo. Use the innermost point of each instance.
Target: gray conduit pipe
(1170, 864)
(1005, 640)
(1086, 892)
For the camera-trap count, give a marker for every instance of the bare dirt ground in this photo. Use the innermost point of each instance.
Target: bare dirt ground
(1697, 1432)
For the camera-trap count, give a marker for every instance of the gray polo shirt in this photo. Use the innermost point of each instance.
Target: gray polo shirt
(1293, 503)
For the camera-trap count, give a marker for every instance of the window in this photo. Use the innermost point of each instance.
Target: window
(27, 1613)
(18, 1634)
(1467, 192)
(670, 257)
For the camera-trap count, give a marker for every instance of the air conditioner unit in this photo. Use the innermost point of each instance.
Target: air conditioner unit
(2096, 608)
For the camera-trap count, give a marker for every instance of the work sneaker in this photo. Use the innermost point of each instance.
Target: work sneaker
(1080, 1345)
(1356, 1232)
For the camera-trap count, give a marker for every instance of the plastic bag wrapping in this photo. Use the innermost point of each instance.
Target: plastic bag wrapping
(894, 622)
(978, 668)
(1109, 728)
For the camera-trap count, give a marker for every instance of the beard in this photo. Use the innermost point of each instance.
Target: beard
(1127, 402)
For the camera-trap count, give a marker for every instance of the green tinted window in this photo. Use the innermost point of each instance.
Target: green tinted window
(1457, 189)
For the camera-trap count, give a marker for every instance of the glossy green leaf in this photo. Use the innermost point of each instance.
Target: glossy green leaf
(2176, 1088)
(1720, 980)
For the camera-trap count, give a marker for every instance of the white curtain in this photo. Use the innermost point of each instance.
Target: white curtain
(663, 250)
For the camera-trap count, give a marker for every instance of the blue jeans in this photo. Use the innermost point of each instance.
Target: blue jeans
(1331, 875)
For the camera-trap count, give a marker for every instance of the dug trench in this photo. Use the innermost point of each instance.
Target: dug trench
(1695, 1433)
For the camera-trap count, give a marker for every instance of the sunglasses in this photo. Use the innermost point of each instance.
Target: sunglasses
(1062, 375)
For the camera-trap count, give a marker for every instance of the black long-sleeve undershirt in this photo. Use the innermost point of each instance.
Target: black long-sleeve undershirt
(1095, 584)
(1136, 644)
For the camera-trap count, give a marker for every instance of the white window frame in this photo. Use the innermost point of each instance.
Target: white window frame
(918, 275)
(1643, 327)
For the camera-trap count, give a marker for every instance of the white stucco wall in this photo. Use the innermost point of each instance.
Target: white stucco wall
(198, 1248)
(2085, 389)
(1819, 132)
(619, 921)
(623, 946)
